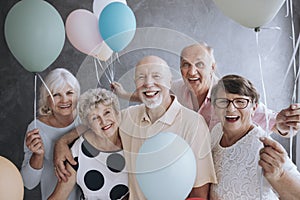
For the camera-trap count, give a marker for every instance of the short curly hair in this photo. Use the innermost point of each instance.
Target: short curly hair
(91, 98)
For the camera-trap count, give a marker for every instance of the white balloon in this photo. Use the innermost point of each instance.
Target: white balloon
(250, 13)
(165, 167)
(99, 5)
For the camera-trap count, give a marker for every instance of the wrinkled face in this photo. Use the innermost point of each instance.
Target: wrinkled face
(65, 101)
(234, 119)
(153, 82)
(196, 69)
(103, 120)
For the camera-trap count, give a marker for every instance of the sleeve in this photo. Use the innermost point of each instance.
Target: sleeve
(201, 146)
(31, 177)
(290, 166)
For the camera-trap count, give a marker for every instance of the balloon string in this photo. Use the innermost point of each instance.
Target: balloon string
(265, 108)
(287, 8)
(291, 132)
(296, 76)
(292, 58)
(34, 102)
(48, 90)
(97, 74)
(118, 59)
(293, 32)
(113, 66)
(271, 28)
(104, 71)
(109, 69)
(263, 84)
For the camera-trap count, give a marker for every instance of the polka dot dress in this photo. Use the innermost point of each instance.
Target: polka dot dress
(101, 175)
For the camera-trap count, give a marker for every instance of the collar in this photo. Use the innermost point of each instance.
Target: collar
(168, 117)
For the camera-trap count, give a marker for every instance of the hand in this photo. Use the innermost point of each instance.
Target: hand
(289, 117)
(272, 159)
(61, 154)
(34, 142)
(118, 89)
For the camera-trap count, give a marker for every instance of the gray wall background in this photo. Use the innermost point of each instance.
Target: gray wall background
(163, 28)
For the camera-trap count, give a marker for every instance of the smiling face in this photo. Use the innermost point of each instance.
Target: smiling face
(153, 81)
(65, 101)
(197, 67)
(235, 120)
(103, 120)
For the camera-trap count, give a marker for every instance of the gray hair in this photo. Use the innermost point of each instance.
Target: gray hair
(55, 81)
(91, 98)
(208, 49)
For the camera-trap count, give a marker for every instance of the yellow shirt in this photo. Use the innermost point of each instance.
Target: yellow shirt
(136, 127)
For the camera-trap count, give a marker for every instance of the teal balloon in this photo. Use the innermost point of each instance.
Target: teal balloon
(35, 34)
(117, 25)
(165, 167)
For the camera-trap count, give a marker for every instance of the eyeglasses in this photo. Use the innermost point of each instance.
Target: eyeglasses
(239, 103)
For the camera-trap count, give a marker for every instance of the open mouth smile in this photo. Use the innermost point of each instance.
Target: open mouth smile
(232, 118)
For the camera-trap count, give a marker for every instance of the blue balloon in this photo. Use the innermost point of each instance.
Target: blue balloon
(117, 25)
(165, 167)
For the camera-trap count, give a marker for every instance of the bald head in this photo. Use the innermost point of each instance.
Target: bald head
(155, 61)
(147, 60)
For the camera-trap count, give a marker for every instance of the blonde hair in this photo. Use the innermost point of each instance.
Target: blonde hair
(91, 98)
(55, 80)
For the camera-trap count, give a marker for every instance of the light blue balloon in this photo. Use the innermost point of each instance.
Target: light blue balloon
(117, 25)
(165, 167)
(35, 34)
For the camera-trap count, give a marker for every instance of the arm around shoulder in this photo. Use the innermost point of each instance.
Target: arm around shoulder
(63, 189)
(63, 153)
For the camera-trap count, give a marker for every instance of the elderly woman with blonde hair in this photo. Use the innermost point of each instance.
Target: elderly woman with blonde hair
(100, 170)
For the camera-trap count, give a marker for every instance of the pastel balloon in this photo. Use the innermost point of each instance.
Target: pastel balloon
(11, 182)
(35, 34)
(83, 32)
(117, 25)
(251, 14)
(99, 5)
(165, 167)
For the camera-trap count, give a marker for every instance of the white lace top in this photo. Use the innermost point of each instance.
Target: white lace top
(237, 169)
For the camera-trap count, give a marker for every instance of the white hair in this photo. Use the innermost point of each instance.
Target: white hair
(55, 81)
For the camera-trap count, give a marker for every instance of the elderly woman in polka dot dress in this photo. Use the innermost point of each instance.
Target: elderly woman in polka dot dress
(100, 170)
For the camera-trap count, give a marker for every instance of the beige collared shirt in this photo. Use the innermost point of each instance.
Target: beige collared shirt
(136, 127)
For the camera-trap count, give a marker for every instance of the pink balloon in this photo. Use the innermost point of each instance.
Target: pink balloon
(83, 31)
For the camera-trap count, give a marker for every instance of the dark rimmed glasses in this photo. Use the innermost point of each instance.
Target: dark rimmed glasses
(239, 103)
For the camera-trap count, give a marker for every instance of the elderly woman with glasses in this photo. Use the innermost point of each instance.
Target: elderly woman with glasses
(236, 144)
